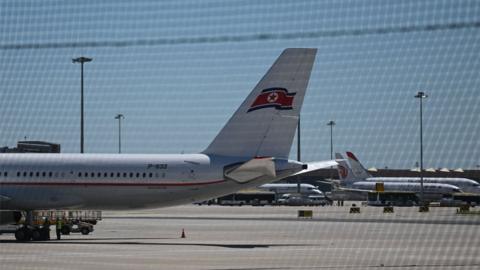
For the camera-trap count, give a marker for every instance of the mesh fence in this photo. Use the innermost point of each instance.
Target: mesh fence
(177, 70)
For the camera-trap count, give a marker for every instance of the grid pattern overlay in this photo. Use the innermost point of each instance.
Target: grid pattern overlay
(177, 70)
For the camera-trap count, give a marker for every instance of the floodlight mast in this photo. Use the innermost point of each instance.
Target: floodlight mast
(331, 123)
(119, 117)
(421, 95)
(298, 154)
(81, 60)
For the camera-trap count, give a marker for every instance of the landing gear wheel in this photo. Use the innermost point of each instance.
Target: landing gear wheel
(37, 235)
(85, 231)
(45, 233)
(23, 234)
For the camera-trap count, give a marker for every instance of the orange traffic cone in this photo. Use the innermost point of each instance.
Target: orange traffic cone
(183, 234)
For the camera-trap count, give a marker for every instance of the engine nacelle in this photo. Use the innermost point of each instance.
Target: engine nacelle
(10, 217)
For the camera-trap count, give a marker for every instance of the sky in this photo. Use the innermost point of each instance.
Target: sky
(178, 69)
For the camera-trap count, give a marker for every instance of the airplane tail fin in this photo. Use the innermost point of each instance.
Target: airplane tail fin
(264, 125)
(357, 167)
(345, 173)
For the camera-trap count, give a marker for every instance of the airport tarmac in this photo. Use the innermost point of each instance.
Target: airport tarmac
(223, 237)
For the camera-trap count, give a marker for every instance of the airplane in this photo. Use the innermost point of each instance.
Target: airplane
(465, 184)
(250, 150)
(350, 182)
(281, 188)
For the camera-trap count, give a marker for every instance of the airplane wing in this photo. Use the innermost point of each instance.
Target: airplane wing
(354, 190)
(336, 185)
(313, 166)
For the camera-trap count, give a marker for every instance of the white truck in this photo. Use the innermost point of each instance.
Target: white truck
(291, 199)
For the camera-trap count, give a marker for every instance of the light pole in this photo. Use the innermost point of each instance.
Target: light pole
(298, 140)
(421, 95)
(81, 60)
(331, 123)
(119, 117)
(298, 153)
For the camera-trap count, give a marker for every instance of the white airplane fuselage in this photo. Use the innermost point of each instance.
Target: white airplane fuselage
(112, 181)
(466, 185)
(431, 190)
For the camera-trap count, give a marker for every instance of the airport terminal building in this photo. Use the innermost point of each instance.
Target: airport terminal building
(32, 147)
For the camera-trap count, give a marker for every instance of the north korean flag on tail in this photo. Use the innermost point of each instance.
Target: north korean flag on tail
(279, 98)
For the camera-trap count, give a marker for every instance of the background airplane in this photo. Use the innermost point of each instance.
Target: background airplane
(350, 182)
(282, 188)
(465, 184)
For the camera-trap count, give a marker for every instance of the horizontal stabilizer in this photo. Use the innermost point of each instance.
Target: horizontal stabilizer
(252, 169)
(313, 166)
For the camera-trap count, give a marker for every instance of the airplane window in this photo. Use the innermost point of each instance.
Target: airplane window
(118, 174)
(124, 174)
(105, 175)
(37, 174)
(50, 174)
(138, 174)
(18, 174)
(99, 174)
(24, 174)
(131, 174)
(5, 174)
(31, 174)
(144, 175)
(150, 175)
(92, 174)
(44, 174)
